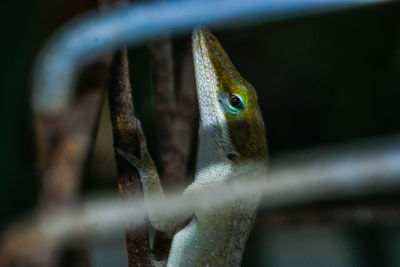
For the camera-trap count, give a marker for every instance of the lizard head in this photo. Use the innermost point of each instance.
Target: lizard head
(229, 112)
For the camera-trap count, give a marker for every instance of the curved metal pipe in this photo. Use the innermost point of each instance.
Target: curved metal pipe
(84, 39)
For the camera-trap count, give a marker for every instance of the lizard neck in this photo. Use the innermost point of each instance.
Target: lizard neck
(212, 163)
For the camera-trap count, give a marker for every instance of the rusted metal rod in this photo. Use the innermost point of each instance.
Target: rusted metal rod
(124, 133)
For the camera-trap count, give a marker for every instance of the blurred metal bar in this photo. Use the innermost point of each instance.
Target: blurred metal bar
(362, 168)
(337, 172)
(385, 214)
(82, 40)
(370, 167)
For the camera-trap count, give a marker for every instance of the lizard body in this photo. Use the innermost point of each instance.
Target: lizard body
(232, 145)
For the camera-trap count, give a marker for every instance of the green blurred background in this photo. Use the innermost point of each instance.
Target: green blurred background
(321, 80)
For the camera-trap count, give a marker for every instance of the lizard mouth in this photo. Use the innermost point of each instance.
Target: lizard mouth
(207, 81)
(208, 46)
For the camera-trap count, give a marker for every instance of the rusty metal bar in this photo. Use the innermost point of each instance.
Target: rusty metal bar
(124, 133)
(176, 112)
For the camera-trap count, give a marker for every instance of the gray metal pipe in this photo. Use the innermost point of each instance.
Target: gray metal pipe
(82, 40)
(360, 169)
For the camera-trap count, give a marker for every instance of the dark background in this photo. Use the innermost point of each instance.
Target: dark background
(321, 80)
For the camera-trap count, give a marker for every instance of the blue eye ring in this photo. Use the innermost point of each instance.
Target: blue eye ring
(233, 104)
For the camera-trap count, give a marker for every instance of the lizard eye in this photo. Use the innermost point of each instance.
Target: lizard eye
(235, 101)
(233, 104)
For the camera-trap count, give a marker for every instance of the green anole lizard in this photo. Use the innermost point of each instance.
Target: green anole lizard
(232, 145)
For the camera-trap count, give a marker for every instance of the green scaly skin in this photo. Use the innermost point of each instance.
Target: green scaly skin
(232, 146)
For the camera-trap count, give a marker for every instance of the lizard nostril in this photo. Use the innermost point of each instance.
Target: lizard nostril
(232, 156)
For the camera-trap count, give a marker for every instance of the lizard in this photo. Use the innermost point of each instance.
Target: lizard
(232, 145)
